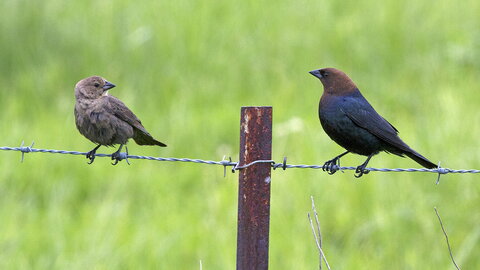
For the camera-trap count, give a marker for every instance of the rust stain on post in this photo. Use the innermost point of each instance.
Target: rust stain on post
(254, 188)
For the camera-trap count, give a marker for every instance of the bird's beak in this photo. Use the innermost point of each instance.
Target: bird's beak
(316, 73)
(108, 85)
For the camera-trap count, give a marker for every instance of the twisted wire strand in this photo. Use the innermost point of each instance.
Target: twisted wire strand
(337, 168)
(235, 165)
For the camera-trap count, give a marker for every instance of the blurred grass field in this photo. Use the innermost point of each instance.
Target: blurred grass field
(185, 68)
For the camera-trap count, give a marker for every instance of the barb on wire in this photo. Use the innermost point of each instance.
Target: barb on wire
(229, 163)
(446, 237)
(25, 149)
(280, 165)
(438, 178)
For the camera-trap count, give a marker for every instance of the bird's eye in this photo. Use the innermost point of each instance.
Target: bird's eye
(324, 73)
(96, 84)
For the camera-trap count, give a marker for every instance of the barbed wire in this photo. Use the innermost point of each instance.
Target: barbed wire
(235, 165)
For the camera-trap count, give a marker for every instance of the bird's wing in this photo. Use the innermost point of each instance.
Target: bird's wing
(141, 136)
(120, 110)
(362, 114)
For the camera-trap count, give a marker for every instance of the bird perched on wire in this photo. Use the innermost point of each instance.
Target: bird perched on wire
(349, 120)
(105, 120)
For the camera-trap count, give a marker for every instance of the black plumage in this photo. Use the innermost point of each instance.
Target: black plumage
(349, 119)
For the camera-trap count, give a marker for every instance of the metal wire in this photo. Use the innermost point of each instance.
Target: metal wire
(235, 165)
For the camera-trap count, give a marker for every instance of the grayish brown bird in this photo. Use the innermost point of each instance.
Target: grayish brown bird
(105, 120)
(349, 120)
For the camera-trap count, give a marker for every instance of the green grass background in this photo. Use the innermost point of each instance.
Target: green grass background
(185, 68)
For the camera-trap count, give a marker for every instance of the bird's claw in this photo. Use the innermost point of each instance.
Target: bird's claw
(331, 166)
(119, 156)
(361, 170)
(116, 157)
(90, 155)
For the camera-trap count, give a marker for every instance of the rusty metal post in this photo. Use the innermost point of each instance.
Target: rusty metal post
(254, 188)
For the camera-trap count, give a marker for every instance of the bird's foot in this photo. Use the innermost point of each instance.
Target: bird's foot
(91, 155)
(361, 170)
(119, 156)
(331, 166)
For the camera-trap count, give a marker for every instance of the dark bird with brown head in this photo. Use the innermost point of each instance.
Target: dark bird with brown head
(105, 120)
(349, 120)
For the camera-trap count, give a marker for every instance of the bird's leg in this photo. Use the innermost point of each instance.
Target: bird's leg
(361, 169)
(91, 155)
(116, 155)
(329, 165)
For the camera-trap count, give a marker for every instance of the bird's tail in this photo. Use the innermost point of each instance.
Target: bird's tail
(142, 138)
(421, 159)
